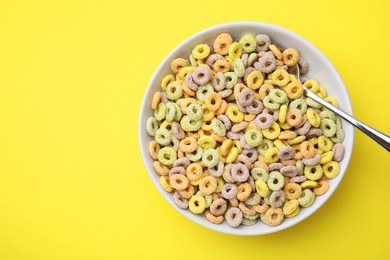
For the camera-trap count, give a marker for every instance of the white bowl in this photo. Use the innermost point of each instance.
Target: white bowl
(320, 69)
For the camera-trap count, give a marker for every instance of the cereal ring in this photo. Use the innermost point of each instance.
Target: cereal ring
(253, 199)
(153, 149)
(294, 117)
(195, 155)
(194, 172)
(229, 191)
(286, 153)
(188, 192)
(266, 63)
(163, 136)
(338, 150)
(210, 158)
(339, 136)
(264, 146)
(280, 78)
(271, 155)
(253, 137)
(239, 67)
(240, 172)
(201, 51)
(254, 79)
(264, 90)
(221, 66)
(188, 144)
(213, 101)
(177, 64)
(246, 209)
(217, 170)
(201, 75)
(189, 82)
(235, 51)
(160, 111)
(305, 197)
(219, 81)
(299, 104)
(272, 132)
(244, 191)
(275, 181)
(298, 179)
(289, 171)
(313, 173)
(197, 204)
(294, 90)
(234, 114)
(182, 162)
(292, 190)
(177, 170)
(290, 56)
(160, 168)
(232, 155)
(248, 43)
(263, 41)
(290, 207)
(312, 161)
(275, 166)
(287, 134)
(151, 126)
(307, 149)
(263, 121)
(275, 50)
(156, 99)
(179, 182)
(313, 118)
(194, 112)
(277, 198)
(331, 169)
(165, 81)
(312, 85)
(328, 127)
(213, 219)
(239, 126)
(225, 120)
(322, 188)
(270, 104)
(245, 97)
(180, 201)
(210, 60)
(218, 127)
(218, 207)
(252, 154)
(233, 217)
(164, 182)
(324, 143)
(208, 185)
(303, 65)
(174, 90)
(273, 217)
(231, 79)
(222, 43)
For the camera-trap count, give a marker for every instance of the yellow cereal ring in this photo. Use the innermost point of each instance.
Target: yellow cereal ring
(309, 184)
(290, 206)
(313, 117)
(292, 190)
(166, 80)
(271, 155)
(332, 100)
(220, 184)
(234, 114)
(222, 43)
(206, 126)
(167, 156)
(294, 213)
(285, 126)
(331, 169)
(280, 77)
(226, 146)
(164, 182)
(312, 85)
(206, 142)
(324, 143)
(197, 204)
(261, 188)
(296, 140)
(322, 92)
(255, 79)
(272, 132)
(313, 173)
(201, 51)
(249, 117)
(167, 125)
(279, 143)
(294, 90)
(235, 51)
(238, 145)
(326, 157)
(232, 155)
(282, 114)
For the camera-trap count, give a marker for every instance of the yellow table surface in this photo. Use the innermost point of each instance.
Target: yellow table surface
(72, 181)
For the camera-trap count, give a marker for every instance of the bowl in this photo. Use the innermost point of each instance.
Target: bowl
(321, 69)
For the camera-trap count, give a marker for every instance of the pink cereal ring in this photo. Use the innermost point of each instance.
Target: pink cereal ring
(255, 107)
(289, 170)
(201, 75)
(180, 201)
(229, 191)
(312, 161)
(240, 172)
(338, 150)
(263, 121)
(234, 217)
(218, 207)
(286, 153)
(245, 97)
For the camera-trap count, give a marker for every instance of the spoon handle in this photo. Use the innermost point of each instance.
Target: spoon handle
(379, 137)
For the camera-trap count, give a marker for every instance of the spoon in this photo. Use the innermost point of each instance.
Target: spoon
(379, 137)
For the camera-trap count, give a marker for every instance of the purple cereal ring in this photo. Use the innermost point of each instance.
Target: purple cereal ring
(275, 166)
(277, 198)
(312, 161)
(177, 170)
(244, 59)
(286, 153)
(179, 200)
(251, 181)
(273, 113)
(177, 131)
(338, 152)
(241, 158)
(213, 58)
(218, 207)
(190, 82)
(303, 65)
(313, 132)
(164, 98)
(240, 172)
(219, 81)
(298, 179)
(304, 129)
(244, 144)
(201, 75)
(182, 162)
(266, 64)
(263, 41)
(217, 170)
(263, 121)
(235, 136)
(252, 154)
(241, 107)
(226, 121)
(255, 107)
(227, 173)
(234, 217)
(245, 97)
(229, 191)
(289, 170)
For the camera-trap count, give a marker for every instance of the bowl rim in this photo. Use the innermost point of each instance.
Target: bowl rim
(227, 26)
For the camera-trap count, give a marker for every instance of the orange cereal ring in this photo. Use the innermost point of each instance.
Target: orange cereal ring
(187, 91)
(274, 216)
(222, 43)
(218, 138)
(234, 202)
(180, 154)
(153, 148)
(287, 134)
(194, 172)
(208, 185)
(221, 66)
(212, 218)
(178, 64)
(307, 149)
(247, 209)
(292, 190)
(290, 56)
(262, 207)
(160, 168)
(185, 103)
(276, 51)
(188, 192)
(156, 99)
(322, 187)
(294, 117)
(297, 152)
(244, 191)
(213, 101)
(264, 90)
(188, 144)
(179, 182)
(221, 110)
(237, 89)
(289, 162)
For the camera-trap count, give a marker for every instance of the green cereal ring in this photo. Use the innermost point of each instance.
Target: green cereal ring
(248, 43)
(300, 167)
(170, 111)
(299, 104)
(178, 113)
(259, 173)
(275, 180)
(203, 91)
(151, 126)
(338, 121)
(264, 146)
(248, 222)
(194, 111)
(328, 114)
(328, 127)
(313, 173)
(270, 104)
(253, 137)
(230, 78)
(195, 155)
(218, 127)
(174, 90)
(179, 101)
(193, 61)
(278, 96)
(253, 199)
(311, 103)
(159, 112)
(167, 156)
(239, 68)
(306, 196)
(251, 217)
(210, 158)
(191, 125)
(163, 136)
(339, 136)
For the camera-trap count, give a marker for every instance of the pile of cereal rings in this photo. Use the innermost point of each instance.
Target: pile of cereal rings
(234, 137)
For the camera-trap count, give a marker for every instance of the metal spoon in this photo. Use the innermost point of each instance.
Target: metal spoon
(379, 137)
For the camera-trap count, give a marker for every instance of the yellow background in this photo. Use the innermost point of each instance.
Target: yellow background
(72, 181)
